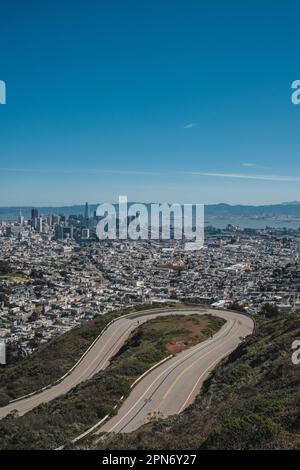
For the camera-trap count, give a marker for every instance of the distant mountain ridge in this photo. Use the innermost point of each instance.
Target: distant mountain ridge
(222, 210)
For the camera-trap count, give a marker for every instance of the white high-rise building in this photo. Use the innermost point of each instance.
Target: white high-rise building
(21, 218)
(39, 225)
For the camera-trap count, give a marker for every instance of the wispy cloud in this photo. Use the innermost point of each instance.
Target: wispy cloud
(190, 125)
(280, 178)
(258, 177)
(249, 165)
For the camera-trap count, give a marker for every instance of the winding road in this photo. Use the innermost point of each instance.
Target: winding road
(167, 389)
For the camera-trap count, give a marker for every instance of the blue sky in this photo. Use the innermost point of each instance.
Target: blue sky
(162, 100)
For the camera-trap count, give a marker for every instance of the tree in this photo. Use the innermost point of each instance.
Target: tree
(269, 310)
(237, 307)
(4, 267)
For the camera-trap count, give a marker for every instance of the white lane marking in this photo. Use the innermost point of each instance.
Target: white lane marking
(43, 395)
(162, 373)
(178, 377)
(153, 314)
(203, 373)
(96, 358)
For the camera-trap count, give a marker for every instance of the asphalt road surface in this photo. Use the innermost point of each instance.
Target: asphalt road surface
(172, 386)
(168, 389)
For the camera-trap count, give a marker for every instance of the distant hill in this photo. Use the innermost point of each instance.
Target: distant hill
(222, 210)
(273, 210)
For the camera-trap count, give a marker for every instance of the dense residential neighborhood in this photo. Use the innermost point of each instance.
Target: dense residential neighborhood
(55, 274)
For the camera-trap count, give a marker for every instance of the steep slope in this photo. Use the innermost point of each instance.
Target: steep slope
(251, 401)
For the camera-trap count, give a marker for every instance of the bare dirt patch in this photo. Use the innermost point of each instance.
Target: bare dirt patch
(195, 331)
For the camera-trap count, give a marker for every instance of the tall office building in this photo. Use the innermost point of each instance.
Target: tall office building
(68, 232)
(34, 213)
(55, 219)
(59, 232)
(86, 211)
(34, 216)
(39, 224)
(21, 218)
(49, 220)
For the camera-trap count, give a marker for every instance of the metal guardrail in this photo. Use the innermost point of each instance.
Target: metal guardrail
(127, 315)
(132, 315)
(95, 426)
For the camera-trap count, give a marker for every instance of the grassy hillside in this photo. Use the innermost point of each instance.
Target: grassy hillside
(52, 360)
(251, 401)
(53, 424)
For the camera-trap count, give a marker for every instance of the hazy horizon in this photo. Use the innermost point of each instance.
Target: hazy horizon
(82, 204)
